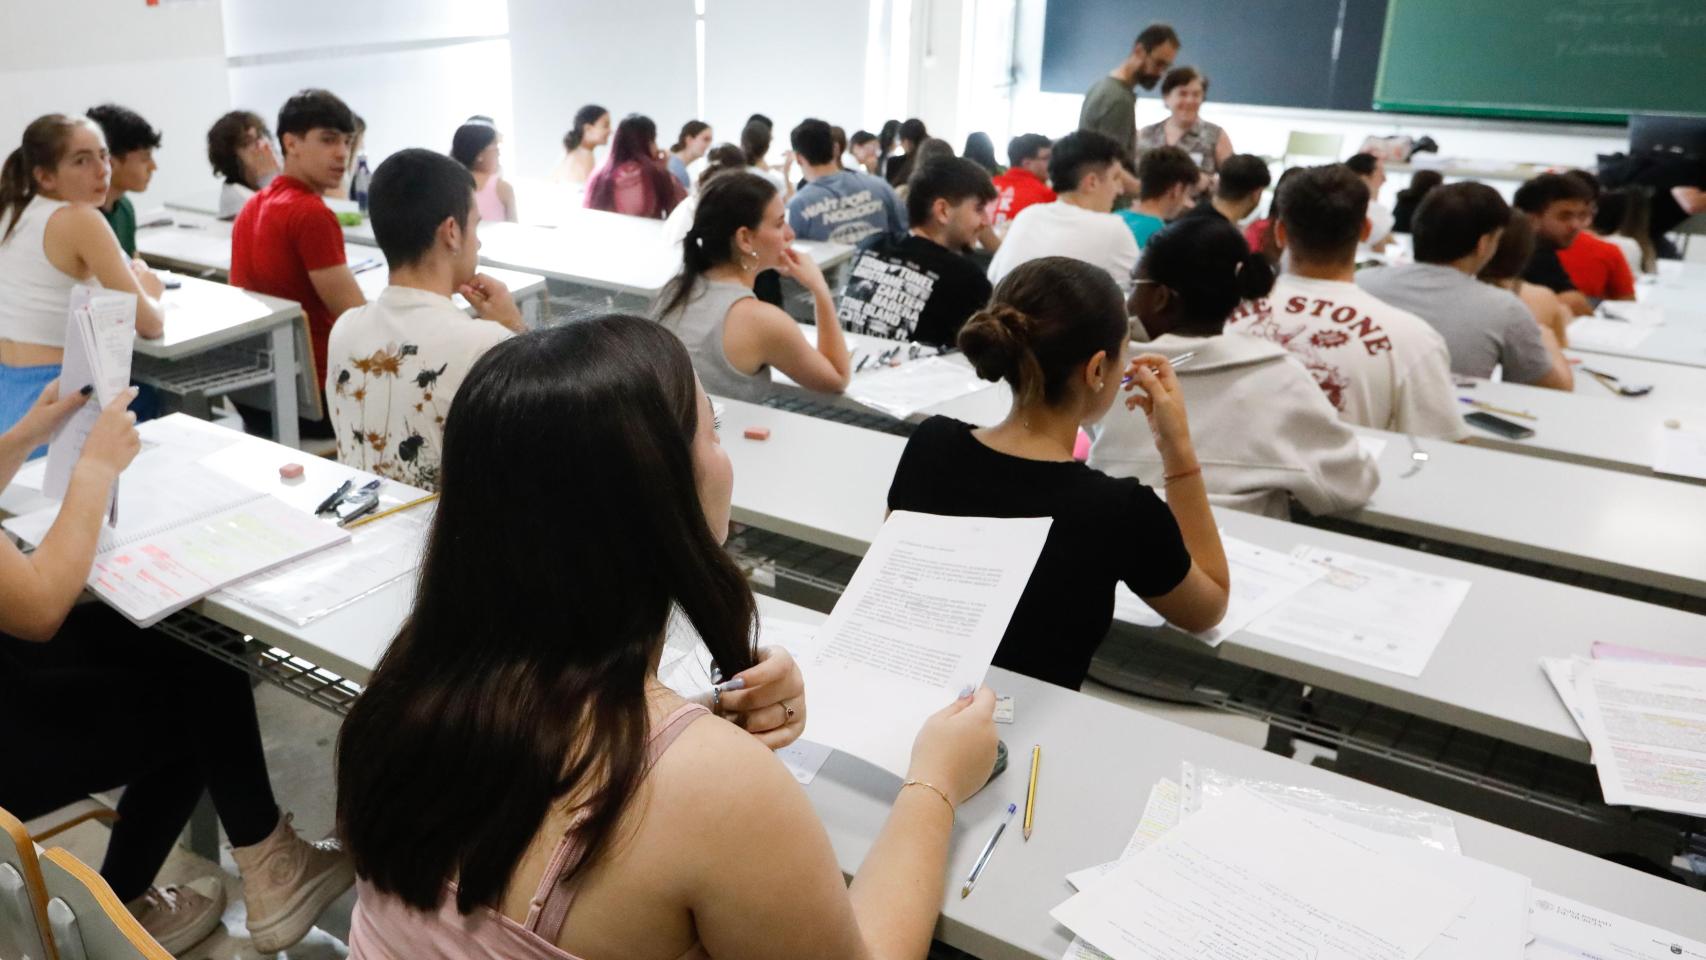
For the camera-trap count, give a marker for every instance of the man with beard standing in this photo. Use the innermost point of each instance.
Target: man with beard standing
(1110, 106)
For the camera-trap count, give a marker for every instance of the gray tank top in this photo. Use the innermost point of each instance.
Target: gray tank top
(699, 323)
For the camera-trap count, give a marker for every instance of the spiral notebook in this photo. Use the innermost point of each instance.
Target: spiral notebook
(184, 532)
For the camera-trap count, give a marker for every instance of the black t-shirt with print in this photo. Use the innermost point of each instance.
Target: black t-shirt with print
(1105, 530)
(1545, 269)
(912, 289)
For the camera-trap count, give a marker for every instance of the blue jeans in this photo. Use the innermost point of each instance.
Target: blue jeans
(19, 388)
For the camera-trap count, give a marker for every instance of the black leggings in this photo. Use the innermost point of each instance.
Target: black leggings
(104, 705)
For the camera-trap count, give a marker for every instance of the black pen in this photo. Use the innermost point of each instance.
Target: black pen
(332, 501)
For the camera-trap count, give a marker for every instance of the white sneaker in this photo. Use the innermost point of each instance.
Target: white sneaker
(180, 916)
(287, 881)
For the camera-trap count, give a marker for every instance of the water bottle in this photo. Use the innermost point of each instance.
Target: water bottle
(358, 183)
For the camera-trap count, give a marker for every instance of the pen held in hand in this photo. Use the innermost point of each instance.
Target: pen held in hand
(1176, 363)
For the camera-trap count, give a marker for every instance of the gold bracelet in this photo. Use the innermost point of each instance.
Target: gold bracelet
(1194, 471)
(919, 783)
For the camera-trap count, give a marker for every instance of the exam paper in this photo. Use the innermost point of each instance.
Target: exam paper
(1160, 815)
(1566, 929)
(919, 623)
(1680, 453)
(1647, 725)
(378, 554)
(1261, 580)
(1370, 612)
(1130, 608)
(1250, 878)
(99, 331)
(1598, 333)
(1561, 673)
(902, 391)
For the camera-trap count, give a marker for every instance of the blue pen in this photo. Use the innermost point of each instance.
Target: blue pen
(988, 848)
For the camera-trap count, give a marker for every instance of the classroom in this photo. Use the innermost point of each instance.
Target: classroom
(865, 479)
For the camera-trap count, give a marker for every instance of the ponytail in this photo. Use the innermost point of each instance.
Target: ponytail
(43, 146)
(584, 117)
(1047, 319)
(1255, 277)
(726, 204)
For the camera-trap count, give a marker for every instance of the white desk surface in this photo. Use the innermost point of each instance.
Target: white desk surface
(1485, 676)
(201, 314)
(1681, 340)
(201, 244)
(1467, 168)
(1603, 430)
(1087, 804)
(1673, 384)
(1640, 529)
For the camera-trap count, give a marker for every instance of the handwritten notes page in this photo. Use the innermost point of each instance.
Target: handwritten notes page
(1647, 725)
(919, 622)
(1249, 877)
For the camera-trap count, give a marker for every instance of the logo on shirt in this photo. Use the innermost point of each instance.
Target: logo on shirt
(1257, 319)
(885, 298)
(850, 219)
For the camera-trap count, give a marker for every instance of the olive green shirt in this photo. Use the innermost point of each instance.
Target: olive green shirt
(122, 218)
(1110, 109)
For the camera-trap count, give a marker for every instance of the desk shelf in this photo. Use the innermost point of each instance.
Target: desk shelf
(214, 373)
(314, 684)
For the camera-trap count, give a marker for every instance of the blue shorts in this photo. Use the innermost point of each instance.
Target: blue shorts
(19, 388)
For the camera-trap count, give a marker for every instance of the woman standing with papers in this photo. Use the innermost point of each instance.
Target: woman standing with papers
(516, 782)
(53, 237)
(97, 704)
(1056, 333)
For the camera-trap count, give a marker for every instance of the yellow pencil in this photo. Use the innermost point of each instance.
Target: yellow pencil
(1477, 404)
(1031, 794)
(399, 508)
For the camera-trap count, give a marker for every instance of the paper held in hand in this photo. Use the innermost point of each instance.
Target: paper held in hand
(99, 331)
(919, 623)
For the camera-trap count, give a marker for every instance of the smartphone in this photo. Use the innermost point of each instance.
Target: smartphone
(1498, 425)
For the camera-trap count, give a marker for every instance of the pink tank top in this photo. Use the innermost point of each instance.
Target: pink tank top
(384, 928)
(490, 205)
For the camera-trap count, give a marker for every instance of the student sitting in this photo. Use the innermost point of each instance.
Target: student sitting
(1267, 433)
(287, 242)
(1056, 333)
(104, 705)
(1085, 168)
(618, 795)
(1237, 191)
(1560, 206)
(475, 146)
(864, 149)
(1260, 233)
(1377, 365)
(1421, 182)
(1622, 220)
(131, 143)
(1169, 178)
(239, 146)
(634, 180)
(1594, 265)
(1456, 231)
(981, 151)
(396, 363)
(590, 130)
(911, 135)
(1026, 179)
(1516, 251)
(721, 159)
(923, 288)
(755, 139)
(693, 142)
(1372, 170)
(846, 206)
(739, 231)
(52, 237)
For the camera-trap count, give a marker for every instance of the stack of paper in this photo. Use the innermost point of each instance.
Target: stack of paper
(1646, 723)
(904, 390)
(99, 333)
(1600, 333)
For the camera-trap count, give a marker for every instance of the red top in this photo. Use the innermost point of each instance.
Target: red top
(1597, 268)
(1018, 189)
(1256, 233)
(282, 233)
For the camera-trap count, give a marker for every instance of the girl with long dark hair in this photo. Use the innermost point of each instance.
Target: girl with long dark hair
(590, 130)
(634, 179)
(515, 781)
(475, 146)
(739, 231)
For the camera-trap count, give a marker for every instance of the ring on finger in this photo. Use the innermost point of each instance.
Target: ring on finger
(787, 711)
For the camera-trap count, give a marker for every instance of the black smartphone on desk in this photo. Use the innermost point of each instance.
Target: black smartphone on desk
(1498, 425)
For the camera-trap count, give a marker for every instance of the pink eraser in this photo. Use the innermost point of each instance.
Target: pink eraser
(757, 433)
(290, 471)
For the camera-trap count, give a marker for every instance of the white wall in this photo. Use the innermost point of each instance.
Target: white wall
(628, 56)
(166, 63)
(413, 69)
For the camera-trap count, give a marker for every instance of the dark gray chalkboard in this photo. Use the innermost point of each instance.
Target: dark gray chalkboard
(1270, 52)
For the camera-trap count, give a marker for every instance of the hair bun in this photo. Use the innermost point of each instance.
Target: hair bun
(1255, 276)
(996, 340)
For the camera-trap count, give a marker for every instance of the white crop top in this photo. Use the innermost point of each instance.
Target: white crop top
(34, 294)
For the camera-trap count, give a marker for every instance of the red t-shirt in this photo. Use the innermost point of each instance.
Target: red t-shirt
(1018, 188)
(282, 233)
(1255, 233)
(1597, 268)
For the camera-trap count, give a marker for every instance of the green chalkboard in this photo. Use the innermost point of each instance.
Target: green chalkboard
(1593, 60)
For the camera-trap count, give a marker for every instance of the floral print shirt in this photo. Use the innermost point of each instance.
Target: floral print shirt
(393, 367)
